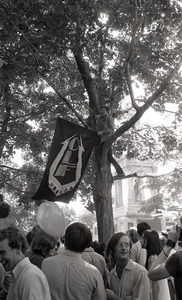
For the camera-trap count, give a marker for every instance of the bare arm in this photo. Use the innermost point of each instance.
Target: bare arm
(158, 270)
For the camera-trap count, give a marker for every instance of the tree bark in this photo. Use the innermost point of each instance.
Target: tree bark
(103, 200)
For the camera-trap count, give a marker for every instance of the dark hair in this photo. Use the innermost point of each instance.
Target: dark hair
(43, 243)
(5, 209)
(153, 244)
(163, 240)
(77, 237)
(114, 241)
(133, 234)
(141, 227)
(16, 238)
(34, 230)
(29, 237)
(98, 247)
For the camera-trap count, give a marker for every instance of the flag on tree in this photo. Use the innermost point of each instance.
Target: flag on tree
(69, 154)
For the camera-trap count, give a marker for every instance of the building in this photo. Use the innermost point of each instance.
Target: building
(127, 195)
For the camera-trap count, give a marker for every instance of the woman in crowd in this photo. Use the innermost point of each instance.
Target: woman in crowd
(151, 242)
(43, 245)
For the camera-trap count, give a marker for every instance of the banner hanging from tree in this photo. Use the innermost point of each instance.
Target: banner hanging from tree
(70, 151)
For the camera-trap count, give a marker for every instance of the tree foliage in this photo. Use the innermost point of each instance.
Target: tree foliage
(67, 58)
(167, 201)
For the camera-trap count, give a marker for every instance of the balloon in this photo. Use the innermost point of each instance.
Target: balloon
(50, 218)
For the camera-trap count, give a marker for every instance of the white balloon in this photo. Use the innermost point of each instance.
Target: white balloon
(50, 218)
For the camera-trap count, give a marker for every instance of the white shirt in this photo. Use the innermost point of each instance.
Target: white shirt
(28, 283)
(72, 278)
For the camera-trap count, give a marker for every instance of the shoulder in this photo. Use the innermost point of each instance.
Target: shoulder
(136, 246)
(91, 268)
(175, 258)
(32, 274)
(50, 261)
(135, 267)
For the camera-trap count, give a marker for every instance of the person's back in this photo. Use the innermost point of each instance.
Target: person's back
(97, 260)
(68, 275)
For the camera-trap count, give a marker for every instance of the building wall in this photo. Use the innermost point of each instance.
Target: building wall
(127, 194)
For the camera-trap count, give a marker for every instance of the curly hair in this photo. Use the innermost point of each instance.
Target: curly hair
(142, 226)
(43, 243)
(16, 238)
(4, 210)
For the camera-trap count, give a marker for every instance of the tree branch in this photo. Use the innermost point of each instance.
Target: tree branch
(119, 177)
(20, 170)
(127, 125)
(137, 26)
(65, 100)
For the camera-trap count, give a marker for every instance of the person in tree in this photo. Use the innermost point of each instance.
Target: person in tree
(105, 128)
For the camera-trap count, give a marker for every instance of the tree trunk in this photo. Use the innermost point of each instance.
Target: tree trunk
(5, 106)
(103, 202)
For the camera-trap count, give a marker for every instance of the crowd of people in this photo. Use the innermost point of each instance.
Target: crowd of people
(138, 265)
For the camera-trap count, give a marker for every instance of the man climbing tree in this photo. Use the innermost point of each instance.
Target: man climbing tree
(105, 128)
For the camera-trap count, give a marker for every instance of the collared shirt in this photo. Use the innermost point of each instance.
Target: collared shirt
(134, 282)
(95, 259)
(138, 254)
(98, 261)
(72, 278)
(28, 283)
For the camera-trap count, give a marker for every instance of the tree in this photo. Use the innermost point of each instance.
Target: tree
(90, 53)
(69, 214)
(167, 201)
(87, 218)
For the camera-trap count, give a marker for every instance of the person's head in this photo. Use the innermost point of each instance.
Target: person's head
(13, 245)
(95, 245)
(119, 247)
(151, 242)
(104, 110)
(163, 240)
(34, 230)
(44, 244)
(77, 237)
(29, 237)
(133, 234)
(99, 247)
(142, 226)
(4, 210)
